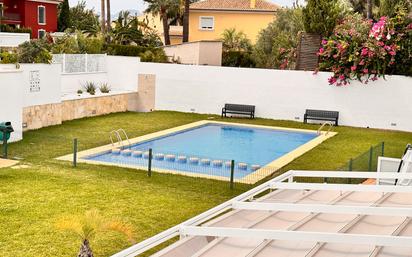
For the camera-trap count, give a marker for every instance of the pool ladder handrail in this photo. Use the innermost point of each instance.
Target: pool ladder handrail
(323, 125)
(120, 140)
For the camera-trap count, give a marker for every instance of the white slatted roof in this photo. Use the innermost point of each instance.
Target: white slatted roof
(299, 220)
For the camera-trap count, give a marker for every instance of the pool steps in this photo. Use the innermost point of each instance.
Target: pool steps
(183, 159)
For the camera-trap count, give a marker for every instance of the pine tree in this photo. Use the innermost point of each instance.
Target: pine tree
(321, 16)
(64, 21)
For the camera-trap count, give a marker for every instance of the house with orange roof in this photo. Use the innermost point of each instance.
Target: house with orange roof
(209, 18)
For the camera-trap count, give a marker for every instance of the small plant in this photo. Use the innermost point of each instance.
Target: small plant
(91, 225)
(90, 87)
(105, 88)
(79, 92)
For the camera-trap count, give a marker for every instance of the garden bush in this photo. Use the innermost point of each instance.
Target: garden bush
(276, 44)
(238, 59)
(7, 28)
(126, 50)
(8, 57)
(34, 51)
(362, 50)
(155, 55)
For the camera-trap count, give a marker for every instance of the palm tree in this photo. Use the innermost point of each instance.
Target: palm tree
(89, 226)
(102, 15)
(109, 16)
(234, 40)
(128, 29)
(186, 21)
(163, 8)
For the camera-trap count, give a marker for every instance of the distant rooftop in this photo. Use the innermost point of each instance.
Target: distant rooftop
(234, 5)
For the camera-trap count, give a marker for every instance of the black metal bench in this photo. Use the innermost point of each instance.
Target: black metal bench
(321, 115)
(239, 109)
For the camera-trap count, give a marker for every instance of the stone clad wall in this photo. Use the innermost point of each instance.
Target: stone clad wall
(76, 109)
(38, 116)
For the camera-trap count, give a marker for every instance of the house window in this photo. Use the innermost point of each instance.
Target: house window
(41, 33)
(1, 9)
(207, 23)
(41, 15)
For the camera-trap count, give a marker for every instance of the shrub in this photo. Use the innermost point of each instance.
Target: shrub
(34, 51)
(276, 44)
(321, 16)
(364, 51)
(7, 57)
(7, 28)
(90, 87)
(79, 92)
(156, 55)
(237, 59)
(105, 88)
(78, 44)
(126, 50)
(234, 40)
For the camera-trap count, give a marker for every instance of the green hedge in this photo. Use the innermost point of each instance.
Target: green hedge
(238, 59)
(7, 28)
(127, 50)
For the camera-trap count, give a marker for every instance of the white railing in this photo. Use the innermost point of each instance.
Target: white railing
(81, 63)
(287, 181)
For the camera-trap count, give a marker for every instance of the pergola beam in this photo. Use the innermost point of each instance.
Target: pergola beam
(264, 234)
(324, 208)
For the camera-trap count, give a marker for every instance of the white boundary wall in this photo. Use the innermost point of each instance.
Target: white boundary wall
(121, 75)
(11, 102)
(8, 39)
(280, 94)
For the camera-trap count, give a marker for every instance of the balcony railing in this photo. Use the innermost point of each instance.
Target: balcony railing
(11, 17)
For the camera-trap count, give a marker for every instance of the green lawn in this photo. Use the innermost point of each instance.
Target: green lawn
(32, 199)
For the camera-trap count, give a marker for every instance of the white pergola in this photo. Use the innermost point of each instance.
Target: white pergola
(203, 225)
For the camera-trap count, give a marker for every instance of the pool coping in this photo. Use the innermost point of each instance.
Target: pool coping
(251, 178)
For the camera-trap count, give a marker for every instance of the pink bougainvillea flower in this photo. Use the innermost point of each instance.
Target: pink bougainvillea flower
(321, 50)
(324, 42)
(332, 80)
(393, 53)
(353, 68)
(364, 51)
(362, 62)
(365, 71)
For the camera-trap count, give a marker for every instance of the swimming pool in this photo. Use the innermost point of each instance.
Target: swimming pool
(207, 148)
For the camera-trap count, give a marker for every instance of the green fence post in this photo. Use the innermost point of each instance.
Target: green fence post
(383, 149)
(370, 159)
(350, 168)
(75, 152)
(232, 173)
(149, 170)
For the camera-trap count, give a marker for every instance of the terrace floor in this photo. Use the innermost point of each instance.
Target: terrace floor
(34, 197)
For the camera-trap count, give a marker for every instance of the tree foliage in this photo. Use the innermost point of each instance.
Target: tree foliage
(391, 7)
(84, 19)
(64, 20)
(34, 51)
(276, 44)
(78, 43)
(167, 10)
(234, 40)
(321, 16)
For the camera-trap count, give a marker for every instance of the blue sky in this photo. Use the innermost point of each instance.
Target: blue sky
(118, 5)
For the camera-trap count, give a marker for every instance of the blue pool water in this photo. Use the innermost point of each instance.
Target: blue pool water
(253, 146)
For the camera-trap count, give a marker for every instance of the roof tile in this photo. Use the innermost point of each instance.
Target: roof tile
(235, 5)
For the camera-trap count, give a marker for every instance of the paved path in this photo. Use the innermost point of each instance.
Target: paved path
(4, 163)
